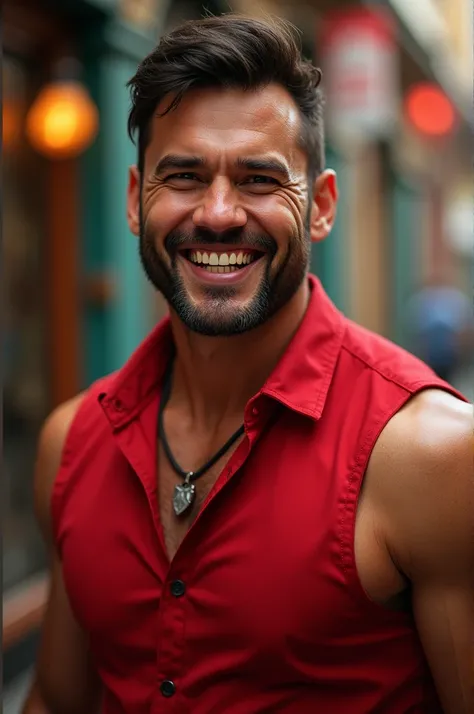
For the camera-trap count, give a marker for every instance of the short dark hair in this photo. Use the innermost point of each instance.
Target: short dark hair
(229, 51)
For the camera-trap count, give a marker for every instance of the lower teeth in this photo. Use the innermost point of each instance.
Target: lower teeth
(220, 269)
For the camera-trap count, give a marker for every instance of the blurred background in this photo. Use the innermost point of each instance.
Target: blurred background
(398, 81)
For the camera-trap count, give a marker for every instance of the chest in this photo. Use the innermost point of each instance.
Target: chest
(184, 447)
(175, 526)
(265, 508)
(259, 555)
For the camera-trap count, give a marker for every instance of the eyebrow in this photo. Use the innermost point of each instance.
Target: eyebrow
(273, 166)
(177, 161)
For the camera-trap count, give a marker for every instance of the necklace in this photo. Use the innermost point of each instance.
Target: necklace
(184, 494)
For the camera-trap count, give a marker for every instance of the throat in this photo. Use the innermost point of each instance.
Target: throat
(212, 392)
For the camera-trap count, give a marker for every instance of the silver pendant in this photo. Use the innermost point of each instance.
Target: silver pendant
(184, 495)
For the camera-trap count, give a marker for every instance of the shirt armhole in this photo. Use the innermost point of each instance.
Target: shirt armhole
(349, 500)
(64, 476)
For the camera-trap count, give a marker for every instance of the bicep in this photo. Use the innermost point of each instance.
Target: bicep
(441, 562)
(444, 614)
(66, 678)
(436, 534)
(425, 492)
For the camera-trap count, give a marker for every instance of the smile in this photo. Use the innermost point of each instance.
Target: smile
(222, 261)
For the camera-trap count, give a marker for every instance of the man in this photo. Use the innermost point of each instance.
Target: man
(268, 508)
(440, 321)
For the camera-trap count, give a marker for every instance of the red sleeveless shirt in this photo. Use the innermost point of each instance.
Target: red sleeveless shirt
(261, 610)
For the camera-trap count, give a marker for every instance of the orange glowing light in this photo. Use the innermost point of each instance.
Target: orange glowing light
(63, 120)
(429, 110)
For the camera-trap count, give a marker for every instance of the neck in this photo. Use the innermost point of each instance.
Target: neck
(214, 377)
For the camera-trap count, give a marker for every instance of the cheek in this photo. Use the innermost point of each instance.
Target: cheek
(165, 210)
(295, 204)
(282, 217)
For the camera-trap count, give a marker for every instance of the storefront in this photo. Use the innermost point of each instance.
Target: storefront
(48, 289)
(41, 350)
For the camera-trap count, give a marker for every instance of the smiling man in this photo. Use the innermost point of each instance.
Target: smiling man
(268, 508)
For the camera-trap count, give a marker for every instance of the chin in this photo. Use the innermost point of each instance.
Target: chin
(221, 320)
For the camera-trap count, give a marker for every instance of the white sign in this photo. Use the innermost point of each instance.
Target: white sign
(361, 73)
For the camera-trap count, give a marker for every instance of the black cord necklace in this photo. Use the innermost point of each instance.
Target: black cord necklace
(185, 494)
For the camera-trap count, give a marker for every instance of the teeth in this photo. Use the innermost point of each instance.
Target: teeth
(219, 263)
(219, 269)
(215, 268)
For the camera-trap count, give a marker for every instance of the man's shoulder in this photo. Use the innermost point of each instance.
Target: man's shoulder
(80, 417)
(57, 425)
(424, 441)
(430, 426)
(51, 444)
(421, 474)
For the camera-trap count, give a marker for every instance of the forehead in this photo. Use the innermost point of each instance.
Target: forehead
(218, 122)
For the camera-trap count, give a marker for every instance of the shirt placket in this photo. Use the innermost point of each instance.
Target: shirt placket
(172, 615)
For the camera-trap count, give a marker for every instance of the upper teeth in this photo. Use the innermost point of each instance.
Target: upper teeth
(238, 258)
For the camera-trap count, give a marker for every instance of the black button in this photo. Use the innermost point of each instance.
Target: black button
(167, 688)
(178, 588)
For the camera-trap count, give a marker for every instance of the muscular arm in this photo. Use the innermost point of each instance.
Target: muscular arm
(65, 682)
(424, 464)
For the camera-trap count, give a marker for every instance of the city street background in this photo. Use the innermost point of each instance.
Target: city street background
(397, 75)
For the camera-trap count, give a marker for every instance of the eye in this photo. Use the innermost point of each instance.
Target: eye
(261, 180)
(184, 176)
(259, 184)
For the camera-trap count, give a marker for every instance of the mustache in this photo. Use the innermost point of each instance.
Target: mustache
(235, 237)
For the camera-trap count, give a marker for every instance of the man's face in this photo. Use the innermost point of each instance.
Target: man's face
(224, 208)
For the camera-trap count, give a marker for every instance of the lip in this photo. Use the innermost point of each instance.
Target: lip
(208, 278)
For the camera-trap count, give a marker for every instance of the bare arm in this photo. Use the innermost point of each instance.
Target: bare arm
(425, 463)
(65, 681)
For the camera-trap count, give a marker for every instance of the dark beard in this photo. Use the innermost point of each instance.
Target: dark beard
(219, 318)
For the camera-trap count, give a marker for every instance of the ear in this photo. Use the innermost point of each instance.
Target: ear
(325, 197)
(133, 200)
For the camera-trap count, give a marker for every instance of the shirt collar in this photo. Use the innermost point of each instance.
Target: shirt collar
(302, 378)
(300, 381)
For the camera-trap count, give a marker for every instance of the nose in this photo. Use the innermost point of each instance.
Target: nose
(218, 210)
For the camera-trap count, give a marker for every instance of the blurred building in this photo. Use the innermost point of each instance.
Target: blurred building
(76, 302)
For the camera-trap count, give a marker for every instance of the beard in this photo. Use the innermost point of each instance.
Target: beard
(219, 314)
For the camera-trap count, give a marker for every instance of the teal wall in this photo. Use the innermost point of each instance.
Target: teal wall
(93, 230)
(406, 252)
(129, 317)
(329, 258)
(111, 331)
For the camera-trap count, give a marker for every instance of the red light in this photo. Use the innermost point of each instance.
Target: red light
(429, 110)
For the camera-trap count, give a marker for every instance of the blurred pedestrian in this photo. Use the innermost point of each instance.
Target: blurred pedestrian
(268, 507)
(441, 320)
